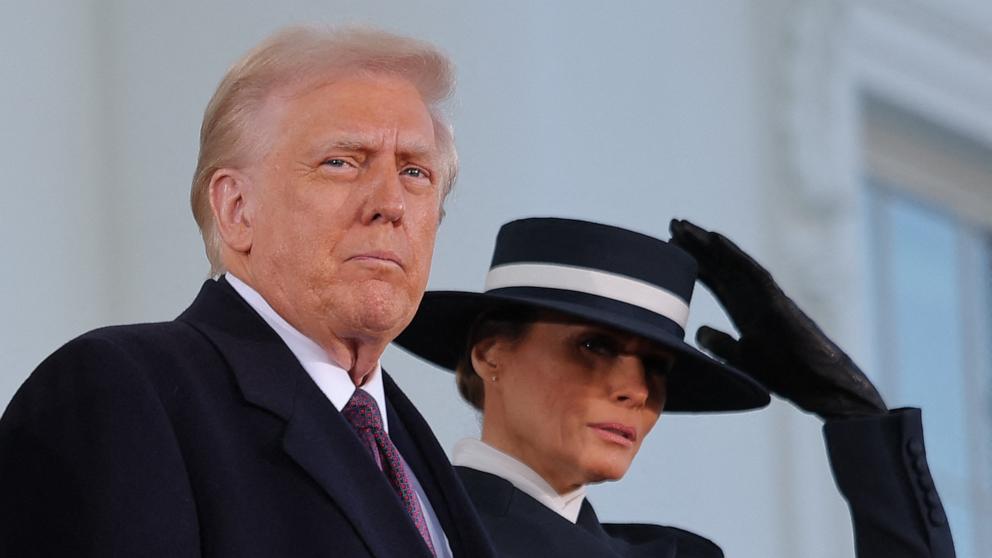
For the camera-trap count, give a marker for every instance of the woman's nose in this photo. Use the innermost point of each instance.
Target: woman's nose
(629, 381)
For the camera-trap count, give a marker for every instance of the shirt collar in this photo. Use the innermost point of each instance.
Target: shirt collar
(478, 455)
(333, 380)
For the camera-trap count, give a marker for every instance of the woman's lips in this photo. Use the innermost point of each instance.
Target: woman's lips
(616, 432)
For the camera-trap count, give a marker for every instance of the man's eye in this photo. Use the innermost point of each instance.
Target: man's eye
(414, 172)
(336, 163)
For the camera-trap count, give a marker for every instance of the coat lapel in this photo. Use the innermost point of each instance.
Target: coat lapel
(517, 519)
(320, 440)
(416, 442)
(634, 541)
(316, 437)
(522, 526)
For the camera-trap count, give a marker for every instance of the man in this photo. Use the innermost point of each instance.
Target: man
(259, 422)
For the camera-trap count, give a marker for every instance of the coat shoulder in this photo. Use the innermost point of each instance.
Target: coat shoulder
(138, 341)
(113, 366)
(689, 544)
(131, 351)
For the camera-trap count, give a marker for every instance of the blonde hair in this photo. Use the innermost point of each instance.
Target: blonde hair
(306, 56)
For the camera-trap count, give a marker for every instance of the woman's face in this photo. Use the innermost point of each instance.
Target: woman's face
(571, 399)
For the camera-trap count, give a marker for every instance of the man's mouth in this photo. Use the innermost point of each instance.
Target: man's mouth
(616, 432)
(385, 257)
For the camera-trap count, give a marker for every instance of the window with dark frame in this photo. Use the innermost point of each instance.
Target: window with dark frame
(930, 255)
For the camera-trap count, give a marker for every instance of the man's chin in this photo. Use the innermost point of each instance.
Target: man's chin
(381, 311)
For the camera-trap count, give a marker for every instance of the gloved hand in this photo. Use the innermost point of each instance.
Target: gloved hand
(779, 345)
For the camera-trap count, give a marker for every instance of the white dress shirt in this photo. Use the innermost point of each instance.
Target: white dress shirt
(336, 384)
(478, 455)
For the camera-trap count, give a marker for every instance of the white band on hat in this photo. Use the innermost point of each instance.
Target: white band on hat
(591, 281)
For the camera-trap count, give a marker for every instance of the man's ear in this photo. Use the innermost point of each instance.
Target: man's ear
(229, 190)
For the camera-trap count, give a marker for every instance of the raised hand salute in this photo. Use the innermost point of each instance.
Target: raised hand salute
(779, 345)
(878, 456)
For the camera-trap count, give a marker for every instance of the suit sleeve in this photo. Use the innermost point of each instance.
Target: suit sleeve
(880, 466)
(89, 465)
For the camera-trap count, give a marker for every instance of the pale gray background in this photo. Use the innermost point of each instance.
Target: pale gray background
(627, 113)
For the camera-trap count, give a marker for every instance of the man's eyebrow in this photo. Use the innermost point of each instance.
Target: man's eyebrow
(416, 148)
(413, 147)
(349, 143)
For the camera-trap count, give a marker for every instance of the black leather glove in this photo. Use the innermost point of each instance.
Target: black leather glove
(779, 345)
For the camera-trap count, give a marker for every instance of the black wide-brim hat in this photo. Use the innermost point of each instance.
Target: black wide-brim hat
(604, 274)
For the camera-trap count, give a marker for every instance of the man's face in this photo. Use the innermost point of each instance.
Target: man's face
(344, 206)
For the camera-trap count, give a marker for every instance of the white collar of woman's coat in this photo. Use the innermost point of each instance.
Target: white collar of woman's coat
(476, 454)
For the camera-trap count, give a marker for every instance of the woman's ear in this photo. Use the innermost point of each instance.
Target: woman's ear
(486, 357)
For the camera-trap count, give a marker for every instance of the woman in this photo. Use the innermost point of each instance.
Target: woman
(571, 355)
(576, 347)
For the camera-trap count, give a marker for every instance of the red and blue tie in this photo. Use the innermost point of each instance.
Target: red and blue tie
(363, 414)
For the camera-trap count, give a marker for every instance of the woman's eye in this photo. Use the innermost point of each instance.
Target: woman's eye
(602, 346)
(661, 366)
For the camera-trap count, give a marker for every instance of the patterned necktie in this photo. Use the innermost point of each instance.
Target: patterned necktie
(363, 414)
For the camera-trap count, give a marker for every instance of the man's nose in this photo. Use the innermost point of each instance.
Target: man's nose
(386, 199)
(628, 381)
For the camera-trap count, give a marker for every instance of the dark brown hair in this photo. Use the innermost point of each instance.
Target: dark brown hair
(510, 322)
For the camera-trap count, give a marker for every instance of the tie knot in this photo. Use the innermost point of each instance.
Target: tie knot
(363, 412)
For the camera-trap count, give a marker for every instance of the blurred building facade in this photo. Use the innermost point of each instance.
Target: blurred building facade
(846, 144)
